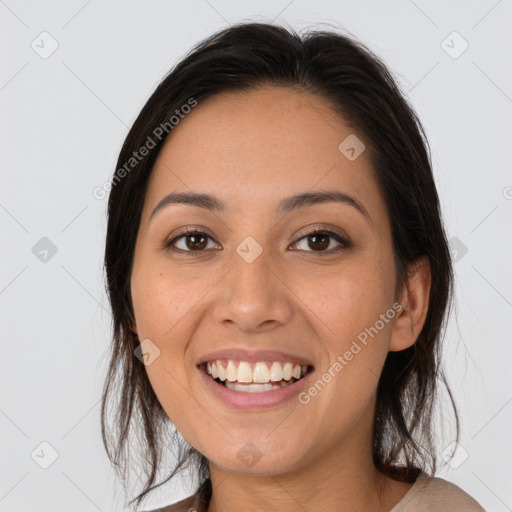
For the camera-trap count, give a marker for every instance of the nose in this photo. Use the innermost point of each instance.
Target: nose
(254, 296)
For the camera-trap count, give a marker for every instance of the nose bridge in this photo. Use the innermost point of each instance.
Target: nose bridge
(252, 266)
(253, 294)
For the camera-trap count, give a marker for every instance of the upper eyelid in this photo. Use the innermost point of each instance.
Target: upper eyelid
(322, 229)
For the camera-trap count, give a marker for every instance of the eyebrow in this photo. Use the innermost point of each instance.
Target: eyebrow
(287, 205)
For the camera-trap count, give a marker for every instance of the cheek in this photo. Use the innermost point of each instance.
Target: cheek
(349, 299)
(170, 386)
(351, 309)
(161, 299)
(164, 302)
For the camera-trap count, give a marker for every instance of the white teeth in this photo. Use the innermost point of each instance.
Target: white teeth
(260, 374)
(231, 371)
(244, 372)
(276, 372)
(221, 371)
(287, 371)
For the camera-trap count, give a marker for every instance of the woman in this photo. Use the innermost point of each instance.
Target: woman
(279, 278)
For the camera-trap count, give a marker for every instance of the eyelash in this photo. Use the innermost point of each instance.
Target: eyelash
(332, 234)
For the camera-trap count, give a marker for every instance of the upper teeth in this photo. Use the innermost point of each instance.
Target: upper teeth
(260, 373)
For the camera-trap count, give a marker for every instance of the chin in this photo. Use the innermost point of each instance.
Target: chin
(257, 459)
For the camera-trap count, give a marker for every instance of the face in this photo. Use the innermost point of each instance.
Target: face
(257, 279)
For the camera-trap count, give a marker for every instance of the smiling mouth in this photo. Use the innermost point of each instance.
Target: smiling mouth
(235, 382)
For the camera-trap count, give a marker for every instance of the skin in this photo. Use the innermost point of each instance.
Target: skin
(251, 149)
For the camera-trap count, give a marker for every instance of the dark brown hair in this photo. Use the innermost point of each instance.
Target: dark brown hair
(358, 86)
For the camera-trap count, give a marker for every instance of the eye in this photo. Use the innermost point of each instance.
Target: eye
(195, 240)
(318, 240)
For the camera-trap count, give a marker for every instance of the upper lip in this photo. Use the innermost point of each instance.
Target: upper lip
(253, 356)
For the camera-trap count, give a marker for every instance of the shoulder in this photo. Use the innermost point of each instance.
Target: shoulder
(186, 505)
(436, 494)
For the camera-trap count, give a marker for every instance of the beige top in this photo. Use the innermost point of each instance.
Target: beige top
(428, 494)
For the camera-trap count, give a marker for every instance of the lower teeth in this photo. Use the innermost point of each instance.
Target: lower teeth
(256, 387)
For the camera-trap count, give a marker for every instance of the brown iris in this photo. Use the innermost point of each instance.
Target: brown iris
(317, 245)
(200, 241)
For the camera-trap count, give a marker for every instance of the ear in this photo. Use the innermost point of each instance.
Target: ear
(415, 298)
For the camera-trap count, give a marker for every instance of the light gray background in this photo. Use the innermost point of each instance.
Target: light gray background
(63, 121)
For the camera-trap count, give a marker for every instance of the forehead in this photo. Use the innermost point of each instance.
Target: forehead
(258, 146)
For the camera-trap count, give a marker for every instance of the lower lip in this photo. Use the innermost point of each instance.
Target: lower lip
(261, 400)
